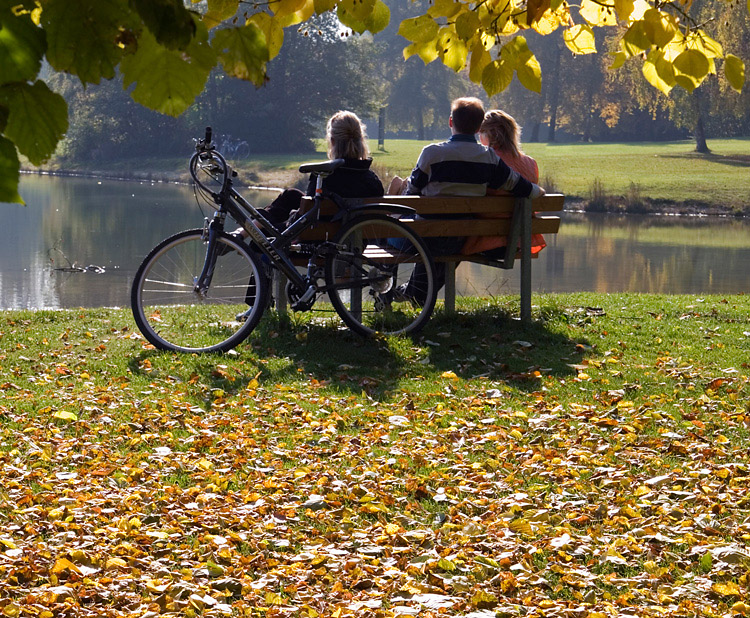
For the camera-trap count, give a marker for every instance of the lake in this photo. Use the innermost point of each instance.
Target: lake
(109, 226)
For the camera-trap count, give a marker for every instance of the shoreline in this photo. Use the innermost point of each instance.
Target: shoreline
(260, 181)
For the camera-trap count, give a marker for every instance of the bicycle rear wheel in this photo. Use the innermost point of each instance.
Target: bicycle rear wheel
(367, 276)
(173, 315)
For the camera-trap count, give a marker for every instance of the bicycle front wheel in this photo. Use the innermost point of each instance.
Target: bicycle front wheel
(382, 277)
(174, 315)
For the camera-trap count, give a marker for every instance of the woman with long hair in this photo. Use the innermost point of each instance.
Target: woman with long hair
(500, 131)
(346, 138)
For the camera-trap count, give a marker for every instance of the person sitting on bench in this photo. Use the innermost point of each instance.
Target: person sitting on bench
(459, 166)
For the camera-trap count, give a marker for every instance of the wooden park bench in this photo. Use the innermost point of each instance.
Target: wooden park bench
(460, 216)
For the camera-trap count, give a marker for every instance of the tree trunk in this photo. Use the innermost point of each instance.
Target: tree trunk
(554, 96)
(213, 100)
(381, 129)
(420, 123)
(700, 131)
(536, 121)
(589, 109)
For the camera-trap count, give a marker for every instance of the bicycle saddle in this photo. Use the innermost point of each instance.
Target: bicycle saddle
(326, 167)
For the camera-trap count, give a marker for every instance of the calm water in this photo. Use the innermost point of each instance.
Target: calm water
(112, 225)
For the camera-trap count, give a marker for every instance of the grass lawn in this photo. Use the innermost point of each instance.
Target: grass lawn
(593, 463)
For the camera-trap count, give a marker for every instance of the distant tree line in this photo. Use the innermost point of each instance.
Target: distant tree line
(321, 68)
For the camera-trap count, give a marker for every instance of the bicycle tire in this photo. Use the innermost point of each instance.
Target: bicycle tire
(173, 316)
(368, 303)
(242, 151)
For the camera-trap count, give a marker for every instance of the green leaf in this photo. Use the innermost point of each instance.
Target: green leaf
(530, 74)
(168, 80)
(451, 49)
(219, 10)
(283, 8)
(693, 64)
(359, 14)
(243, 52)
(734, 70)
(467, 24)
(445, 8)
(376, 20)
(659, 27)
(272, 30)
(37, 118)
(379, 18)
(535, 9)
(624, 9)
(480, 58)
(598, 14)
(168, 20)
(496, 77)
(635, 41)
(74, 46)
(9, 169)
(427, 51)
(619, 59)
(580, 39)
(659, 72)
(323, 6)
(22, 47)
(420, 29)
(705, 44)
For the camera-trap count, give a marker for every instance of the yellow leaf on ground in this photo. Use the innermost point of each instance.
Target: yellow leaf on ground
(726, 589)
(63, 564)
(520, 526)
(116, 563)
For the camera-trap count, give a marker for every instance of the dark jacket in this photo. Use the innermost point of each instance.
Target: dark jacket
(353, 179)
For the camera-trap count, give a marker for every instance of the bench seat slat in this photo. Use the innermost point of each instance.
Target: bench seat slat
(458, 227)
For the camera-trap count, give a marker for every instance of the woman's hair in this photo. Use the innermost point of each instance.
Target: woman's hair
(346, 137)
(502, 131)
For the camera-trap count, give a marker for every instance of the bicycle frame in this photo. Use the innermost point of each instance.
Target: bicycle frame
(232, 203)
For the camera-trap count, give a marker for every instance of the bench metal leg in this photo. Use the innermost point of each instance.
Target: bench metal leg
(278, 286)
(450, 287)
(525, 261)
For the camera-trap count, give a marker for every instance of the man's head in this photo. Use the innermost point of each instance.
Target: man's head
(467, 114)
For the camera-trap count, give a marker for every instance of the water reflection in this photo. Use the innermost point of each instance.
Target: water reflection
(114, 224)
(81, 222)
(632, 253)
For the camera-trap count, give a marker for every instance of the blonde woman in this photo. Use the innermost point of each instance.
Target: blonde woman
(501, 132)
(346, 138)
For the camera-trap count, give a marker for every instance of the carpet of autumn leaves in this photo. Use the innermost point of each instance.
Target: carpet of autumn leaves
(595, 465)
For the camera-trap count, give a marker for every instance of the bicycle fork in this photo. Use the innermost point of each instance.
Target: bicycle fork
(211, 231)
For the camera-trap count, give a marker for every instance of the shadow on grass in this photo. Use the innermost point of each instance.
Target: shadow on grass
(735, 160)
(487, 343)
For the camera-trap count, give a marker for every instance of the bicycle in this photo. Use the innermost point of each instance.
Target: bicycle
(205, 290)
(233, 148)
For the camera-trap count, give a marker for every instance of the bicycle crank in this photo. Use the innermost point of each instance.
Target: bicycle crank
(299, 300)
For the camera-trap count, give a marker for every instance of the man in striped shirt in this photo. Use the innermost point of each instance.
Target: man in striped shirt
(462, 167)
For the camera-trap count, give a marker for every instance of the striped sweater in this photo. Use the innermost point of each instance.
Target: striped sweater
(463, 167)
